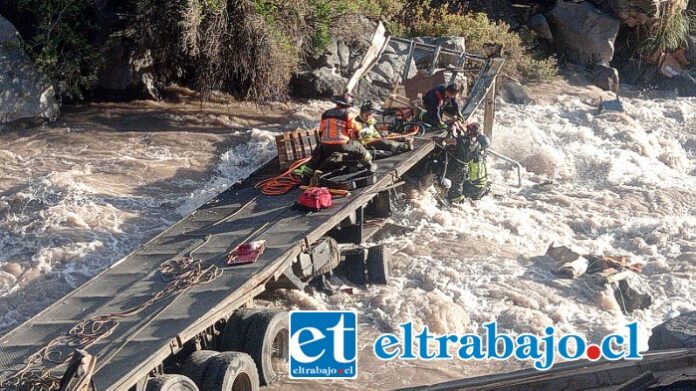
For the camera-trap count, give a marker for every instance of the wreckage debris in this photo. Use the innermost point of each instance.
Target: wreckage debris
(616, 271)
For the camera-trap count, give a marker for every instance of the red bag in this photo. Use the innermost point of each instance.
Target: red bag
(315, 198)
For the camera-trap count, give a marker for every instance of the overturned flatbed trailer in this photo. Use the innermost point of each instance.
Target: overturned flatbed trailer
(176, 294)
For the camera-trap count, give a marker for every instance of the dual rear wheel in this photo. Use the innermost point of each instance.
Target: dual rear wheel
(254, 352)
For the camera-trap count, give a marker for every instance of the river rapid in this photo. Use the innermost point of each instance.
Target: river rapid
(79, 195)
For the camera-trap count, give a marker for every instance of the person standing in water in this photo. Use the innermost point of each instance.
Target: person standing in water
(470, 175)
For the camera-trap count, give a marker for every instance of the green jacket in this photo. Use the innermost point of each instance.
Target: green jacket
(369, 131)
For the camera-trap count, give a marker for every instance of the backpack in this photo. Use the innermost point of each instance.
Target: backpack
(315, 198)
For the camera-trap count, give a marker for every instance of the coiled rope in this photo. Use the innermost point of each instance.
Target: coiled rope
(282, 183)
(179, 274)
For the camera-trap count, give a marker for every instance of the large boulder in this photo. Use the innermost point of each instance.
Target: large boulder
(318, 83)
(676, 333)
(26, 95)
(540, 26)
(584, 34)
(683, 84)
(515, 93)
(691, 49)
(634, 12)
(632, 294)
(606, 77)
(128, 72)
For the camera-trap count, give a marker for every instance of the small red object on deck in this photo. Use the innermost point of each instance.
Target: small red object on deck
(246, 253)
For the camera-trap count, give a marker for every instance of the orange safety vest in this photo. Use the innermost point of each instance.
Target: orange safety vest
(336, 126)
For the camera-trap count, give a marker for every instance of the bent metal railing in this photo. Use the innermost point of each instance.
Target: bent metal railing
(517, 164)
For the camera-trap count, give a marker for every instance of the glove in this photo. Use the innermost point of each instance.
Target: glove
(446, 183)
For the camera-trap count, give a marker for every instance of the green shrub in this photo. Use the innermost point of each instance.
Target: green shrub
(668, 31)
(60, 45)
(478, 30)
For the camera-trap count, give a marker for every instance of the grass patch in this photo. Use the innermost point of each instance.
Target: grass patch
(668, 31)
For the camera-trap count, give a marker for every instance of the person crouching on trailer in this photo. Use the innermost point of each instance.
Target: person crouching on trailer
(440, 100)
(370, 136)
(470, 179)
(339, 134)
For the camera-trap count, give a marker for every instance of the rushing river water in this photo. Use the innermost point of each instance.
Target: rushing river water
(81, 194)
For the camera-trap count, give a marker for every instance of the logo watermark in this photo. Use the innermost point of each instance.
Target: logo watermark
(323, 345)
(542, 351)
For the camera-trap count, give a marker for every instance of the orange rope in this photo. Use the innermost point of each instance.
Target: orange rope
(282, 183)
(392, 136)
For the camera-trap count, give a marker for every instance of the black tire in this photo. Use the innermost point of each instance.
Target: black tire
(195, 365)
(417, 127)
(353, 268)
(267, 342)
(378, 265)
(231, 371)
(171, 383)
(232, 338)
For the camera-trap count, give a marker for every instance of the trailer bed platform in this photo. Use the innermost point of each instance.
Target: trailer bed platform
(137, 342)
(235, 216)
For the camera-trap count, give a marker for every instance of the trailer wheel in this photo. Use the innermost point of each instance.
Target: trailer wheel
(232, 338)
(195, 365)
(171, 383)
(354, 269)
(378, 265)
(231, 371)
(267, 342)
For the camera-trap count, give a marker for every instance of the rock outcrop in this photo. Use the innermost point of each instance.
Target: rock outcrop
(676, 333)
(515, 93)
(634, 12)
(582, 33)
(328, 74)
(585, 36)
(26, 95)
(606, 77)
(129, 72)
(691, 49)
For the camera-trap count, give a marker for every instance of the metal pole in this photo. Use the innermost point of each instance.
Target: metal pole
(509, 160)
(489, 115)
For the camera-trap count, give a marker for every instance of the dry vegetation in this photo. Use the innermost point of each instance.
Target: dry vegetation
(245, 47)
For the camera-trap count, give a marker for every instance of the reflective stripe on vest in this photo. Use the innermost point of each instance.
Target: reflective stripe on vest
(334, 130)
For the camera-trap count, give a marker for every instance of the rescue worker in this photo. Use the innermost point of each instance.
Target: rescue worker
(370, 136)
(339, 134)
(469, 175)
(440, 99)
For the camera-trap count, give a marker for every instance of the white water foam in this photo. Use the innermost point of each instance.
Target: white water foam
(623, 184)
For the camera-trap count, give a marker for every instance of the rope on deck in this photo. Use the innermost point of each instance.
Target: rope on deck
(179, 274)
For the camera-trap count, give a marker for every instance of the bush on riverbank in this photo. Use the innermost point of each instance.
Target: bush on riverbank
(478, 30)
(245, 47)
(58, 37)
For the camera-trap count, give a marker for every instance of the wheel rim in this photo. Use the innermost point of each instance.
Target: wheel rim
(279, 352)
(242, 383)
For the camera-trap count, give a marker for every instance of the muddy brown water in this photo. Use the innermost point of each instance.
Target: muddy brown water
(80, 194)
